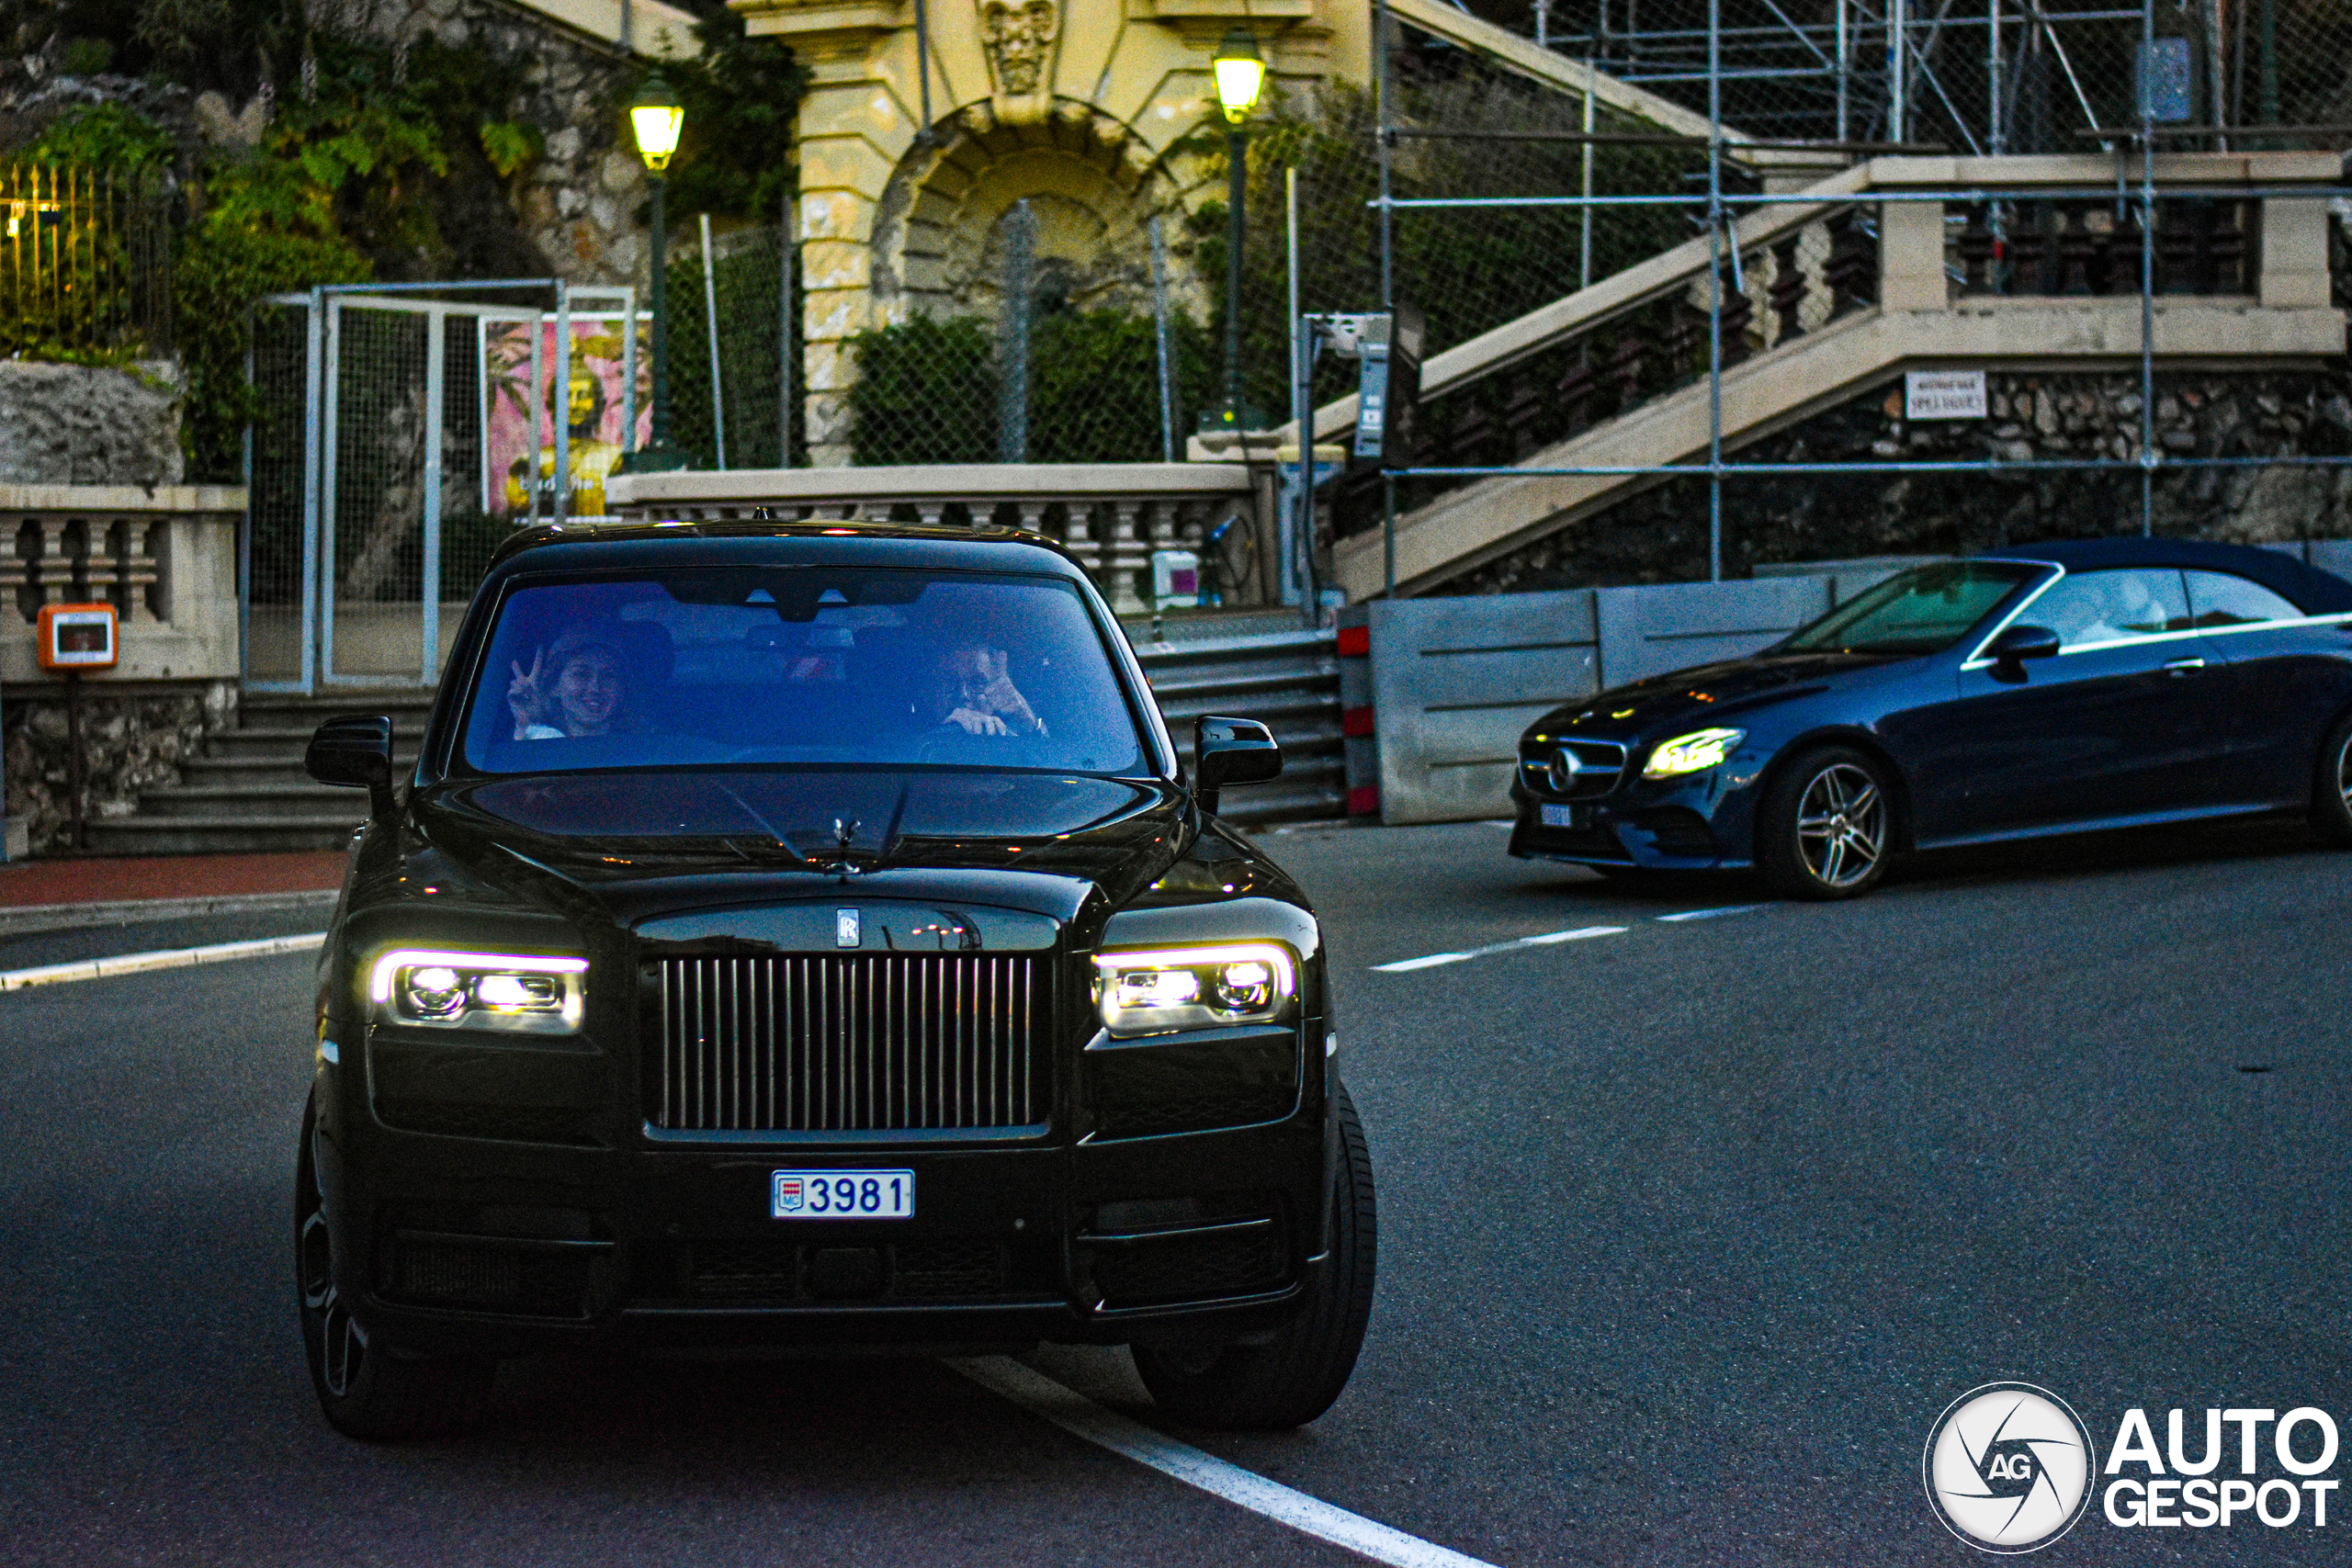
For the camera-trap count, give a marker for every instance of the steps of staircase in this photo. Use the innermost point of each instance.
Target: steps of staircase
(274, 799)
(220, 832)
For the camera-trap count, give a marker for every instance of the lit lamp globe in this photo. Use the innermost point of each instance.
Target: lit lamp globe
(656, 118)
(1241, 73)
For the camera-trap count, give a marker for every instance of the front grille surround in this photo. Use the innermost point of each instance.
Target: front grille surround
(849, 1044)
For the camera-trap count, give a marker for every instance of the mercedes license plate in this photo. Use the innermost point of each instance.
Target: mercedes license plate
(1567, 816)
(842, 1195)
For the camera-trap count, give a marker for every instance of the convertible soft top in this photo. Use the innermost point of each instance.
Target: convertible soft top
(2314, 592)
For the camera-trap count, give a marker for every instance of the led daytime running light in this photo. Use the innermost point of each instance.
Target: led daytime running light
(1692, 753)
(380, 975)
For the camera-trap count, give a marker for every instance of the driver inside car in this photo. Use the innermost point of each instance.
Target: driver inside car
(971, 689)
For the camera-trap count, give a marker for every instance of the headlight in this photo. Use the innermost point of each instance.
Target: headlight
(1692, 753)
(1194, 987)
(479, 991)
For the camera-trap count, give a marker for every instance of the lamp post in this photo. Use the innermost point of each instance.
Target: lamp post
(1240, 72)
(656, 118)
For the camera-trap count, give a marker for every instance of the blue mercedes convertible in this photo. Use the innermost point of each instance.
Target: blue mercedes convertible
(2053, 688)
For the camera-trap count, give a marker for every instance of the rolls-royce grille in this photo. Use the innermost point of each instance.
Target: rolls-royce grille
(852, 1043)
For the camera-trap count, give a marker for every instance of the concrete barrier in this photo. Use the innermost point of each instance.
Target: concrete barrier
(1453, 683)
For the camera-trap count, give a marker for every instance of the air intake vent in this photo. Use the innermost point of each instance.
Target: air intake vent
(852, 1043)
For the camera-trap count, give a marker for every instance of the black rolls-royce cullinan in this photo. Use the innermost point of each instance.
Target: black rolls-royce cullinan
(805, 936)
(2047, 689)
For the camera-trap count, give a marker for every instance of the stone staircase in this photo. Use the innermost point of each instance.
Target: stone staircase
(247, 790)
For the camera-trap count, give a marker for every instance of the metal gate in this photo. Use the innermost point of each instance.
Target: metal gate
(399, 432)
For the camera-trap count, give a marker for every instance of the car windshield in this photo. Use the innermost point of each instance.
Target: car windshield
(1924, 609)
(816, 665)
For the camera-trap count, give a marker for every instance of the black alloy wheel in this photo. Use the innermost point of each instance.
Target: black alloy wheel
(1297, 1375)
(1825, 827)
(2332, 787)
(366, 1391)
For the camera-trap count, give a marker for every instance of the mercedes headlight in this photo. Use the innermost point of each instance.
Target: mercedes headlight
(479, 991)
(1194, 987)
(1692, 753)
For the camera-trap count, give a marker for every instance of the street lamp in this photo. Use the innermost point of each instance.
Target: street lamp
(1240, 72)
(655, 117)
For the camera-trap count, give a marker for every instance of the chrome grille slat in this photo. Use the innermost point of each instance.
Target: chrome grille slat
(850, 1042)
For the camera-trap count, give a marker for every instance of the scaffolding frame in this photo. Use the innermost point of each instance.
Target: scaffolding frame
(2141, 195)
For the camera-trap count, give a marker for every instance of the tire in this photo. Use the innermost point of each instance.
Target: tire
(367, 1394)
(1825, 826)
(1295, 1377)
(2331, 810)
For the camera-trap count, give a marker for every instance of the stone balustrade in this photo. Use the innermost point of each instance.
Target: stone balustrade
(1110, 515)
(164, 557)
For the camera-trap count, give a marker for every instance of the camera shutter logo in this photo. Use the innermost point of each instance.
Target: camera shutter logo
(2008, 1468)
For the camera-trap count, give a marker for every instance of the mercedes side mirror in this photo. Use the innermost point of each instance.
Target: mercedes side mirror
(355, 749)
(1231, 751)
(2009, 650)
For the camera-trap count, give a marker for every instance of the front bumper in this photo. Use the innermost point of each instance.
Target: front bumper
(1704, 822)
(485, 1246)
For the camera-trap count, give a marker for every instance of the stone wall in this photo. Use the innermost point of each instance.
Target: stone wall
(572, 213)
(71, 424)
(1661, 535)
(130, 741)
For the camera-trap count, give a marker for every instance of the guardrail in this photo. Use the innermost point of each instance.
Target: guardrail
(1288, 681)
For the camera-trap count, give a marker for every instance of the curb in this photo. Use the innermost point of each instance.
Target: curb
(173, 958)
(24, 919)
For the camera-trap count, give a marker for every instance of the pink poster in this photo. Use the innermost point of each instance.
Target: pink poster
(594, 400)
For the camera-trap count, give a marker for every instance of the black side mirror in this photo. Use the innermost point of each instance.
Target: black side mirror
(2009, 650)
(1231, 751)
(355, 749)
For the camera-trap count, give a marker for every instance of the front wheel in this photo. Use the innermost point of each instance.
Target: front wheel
(1824, 829)
(2332, 786)
(1295, 1376)
(364, 1390)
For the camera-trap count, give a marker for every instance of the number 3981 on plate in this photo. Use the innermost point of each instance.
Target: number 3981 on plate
(842, 1195)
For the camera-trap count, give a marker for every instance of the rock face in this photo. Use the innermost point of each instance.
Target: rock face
(69, 424)
(128, 744)
(1661, 535)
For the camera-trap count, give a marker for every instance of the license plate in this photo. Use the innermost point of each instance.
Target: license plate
(1565, 816)
(842, 1195)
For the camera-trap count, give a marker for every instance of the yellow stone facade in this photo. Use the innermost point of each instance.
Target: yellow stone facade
(1077, 106)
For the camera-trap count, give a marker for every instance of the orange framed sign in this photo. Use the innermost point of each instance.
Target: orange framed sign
(78, 637)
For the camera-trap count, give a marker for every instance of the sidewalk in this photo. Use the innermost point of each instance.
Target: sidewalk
(47, 895)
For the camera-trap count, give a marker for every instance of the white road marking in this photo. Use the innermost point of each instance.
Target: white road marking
(1082, 1417)
(169, 958)
(1711, 914)
(1432, 961)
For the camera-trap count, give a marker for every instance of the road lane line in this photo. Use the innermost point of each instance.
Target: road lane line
(169, 958)
(1711, 914)
(1431, 961)
(1082, 1417)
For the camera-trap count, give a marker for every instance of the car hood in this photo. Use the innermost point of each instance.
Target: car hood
(630, 847)
(1707, 694)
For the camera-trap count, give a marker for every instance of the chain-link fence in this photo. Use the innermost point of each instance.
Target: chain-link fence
(84, 263)
(743, 284)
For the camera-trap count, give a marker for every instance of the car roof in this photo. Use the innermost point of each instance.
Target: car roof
(2313, 591)
(954, 544)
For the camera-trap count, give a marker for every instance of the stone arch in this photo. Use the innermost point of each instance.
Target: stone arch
(1093, 182)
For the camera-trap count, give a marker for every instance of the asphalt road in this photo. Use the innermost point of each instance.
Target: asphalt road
(1689, 1231)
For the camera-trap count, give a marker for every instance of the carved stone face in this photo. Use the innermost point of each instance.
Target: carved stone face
(1019, 34)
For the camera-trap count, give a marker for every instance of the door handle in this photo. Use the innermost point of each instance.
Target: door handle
(2183, 666)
